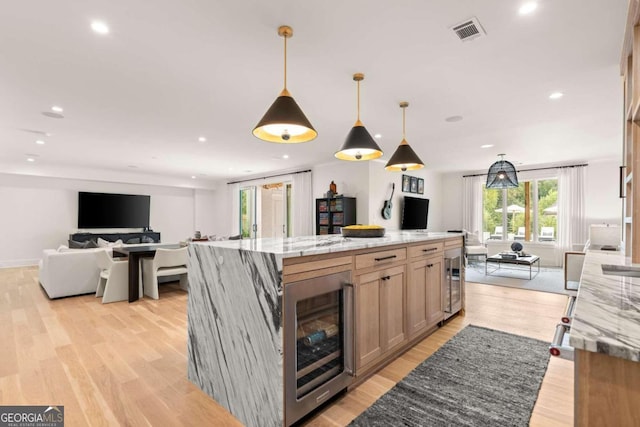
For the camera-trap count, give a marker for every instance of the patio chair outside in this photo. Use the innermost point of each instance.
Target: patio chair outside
(520, 234)
(547, 234)
(497, 234)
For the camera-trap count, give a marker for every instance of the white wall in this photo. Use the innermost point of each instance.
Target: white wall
(603, 204)
(39, 213)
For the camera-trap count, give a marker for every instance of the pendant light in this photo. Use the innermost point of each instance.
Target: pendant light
(284, 122)
(359, 144)
(404, 159)
(502, 174)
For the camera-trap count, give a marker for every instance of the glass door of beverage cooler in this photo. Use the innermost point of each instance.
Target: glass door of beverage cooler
(453, 282)
(318, 341)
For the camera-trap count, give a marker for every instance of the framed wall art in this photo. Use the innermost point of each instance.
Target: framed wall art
(414, 184)
(406, 183)
(420, 186)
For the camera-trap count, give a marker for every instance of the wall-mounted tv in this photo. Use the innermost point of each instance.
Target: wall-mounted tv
(414, 213)
(105, 210)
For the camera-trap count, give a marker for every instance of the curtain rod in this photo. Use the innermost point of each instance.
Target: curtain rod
(270, 176)
(534, 169)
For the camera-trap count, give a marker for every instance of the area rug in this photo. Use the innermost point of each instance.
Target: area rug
(481, 377)
(548, 280)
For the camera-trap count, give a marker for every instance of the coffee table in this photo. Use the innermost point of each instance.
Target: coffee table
(528, 260)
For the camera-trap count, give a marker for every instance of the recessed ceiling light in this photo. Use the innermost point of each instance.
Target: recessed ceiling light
(286, 156)
(377, 135)
(486, 146)
(202, 139)
(453, 119)
(556, 95)
(30, 159)
(100, 27)
(527, 8)
(40, 142)
(193, 177)
(57, 109)
(230, 169)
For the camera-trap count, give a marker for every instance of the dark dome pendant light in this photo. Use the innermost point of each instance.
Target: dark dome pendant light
(502, 174)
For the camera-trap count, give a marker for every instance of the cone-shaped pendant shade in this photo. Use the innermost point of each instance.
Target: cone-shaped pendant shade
(359, 144)
(284, 122)
(404, 159)
(502, 174)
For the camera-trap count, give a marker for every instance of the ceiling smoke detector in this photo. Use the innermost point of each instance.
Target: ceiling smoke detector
(469, 30)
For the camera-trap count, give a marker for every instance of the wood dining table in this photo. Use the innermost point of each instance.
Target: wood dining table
(135, 254)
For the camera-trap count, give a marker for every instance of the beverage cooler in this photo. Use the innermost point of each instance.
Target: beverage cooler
(453, 264)
(318, 342)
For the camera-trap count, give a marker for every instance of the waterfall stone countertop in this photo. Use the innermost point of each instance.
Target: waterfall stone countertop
(316, 245)
(607, 314)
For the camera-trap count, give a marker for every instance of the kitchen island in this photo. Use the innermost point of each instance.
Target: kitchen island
(236, 310)
(605, 333)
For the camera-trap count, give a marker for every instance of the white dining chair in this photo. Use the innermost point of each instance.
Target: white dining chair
(113, 283)
(166, 262)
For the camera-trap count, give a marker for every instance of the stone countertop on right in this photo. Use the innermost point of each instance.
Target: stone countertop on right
(607, 314)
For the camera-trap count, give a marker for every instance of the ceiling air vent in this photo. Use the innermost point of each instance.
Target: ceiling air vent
(469, 29)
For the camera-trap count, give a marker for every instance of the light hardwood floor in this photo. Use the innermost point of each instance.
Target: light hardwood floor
(125, 364)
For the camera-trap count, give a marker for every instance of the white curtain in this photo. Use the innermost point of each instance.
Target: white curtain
(572, 224)
(302, 201)
(234, 202)
(472, 204)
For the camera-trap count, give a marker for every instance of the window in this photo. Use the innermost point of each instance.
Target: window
(527, 212)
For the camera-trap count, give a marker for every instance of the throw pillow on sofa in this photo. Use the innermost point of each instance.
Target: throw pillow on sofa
(89, 244)
(147, 239)
(107, 244)
(133, 241)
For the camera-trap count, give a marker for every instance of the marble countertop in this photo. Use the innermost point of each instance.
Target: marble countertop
(315, 245)
(607, 314)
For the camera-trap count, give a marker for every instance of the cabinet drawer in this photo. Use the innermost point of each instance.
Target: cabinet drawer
(453, 243)
(426, 249)
(375, 259)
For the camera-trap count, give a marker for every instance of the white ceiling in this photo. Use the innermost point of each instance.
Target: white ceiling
(136, 100)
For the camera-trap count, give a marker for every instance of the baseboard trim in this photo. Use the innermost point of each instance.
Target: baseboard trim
(19, 263)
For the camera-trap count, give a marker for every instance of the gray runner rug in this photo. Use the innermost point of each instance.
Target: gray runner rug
(481, 377)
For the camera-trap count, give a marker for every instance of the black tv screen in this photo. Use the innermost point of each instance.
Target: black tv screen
(414, 213)
(103, 210)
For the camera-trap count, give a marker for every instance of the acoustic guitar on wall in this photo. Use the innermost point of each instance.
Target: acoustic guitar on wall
(386, 210)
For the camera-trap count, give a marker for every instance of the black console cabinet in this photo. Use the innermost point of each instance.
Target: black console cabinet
(112, 237)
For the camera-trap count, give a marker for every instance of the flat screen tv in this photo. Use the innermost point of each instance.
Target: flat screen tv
(105, 210)
(414, 213)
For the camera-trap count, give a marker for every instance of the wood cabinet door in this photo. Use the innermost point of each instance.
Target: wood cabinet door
(367, 330)
(393, 308)
(417, 297)
(435, 279)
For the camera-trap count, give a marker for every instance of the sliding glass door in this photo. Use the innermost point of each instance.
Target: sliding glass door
(265, 210)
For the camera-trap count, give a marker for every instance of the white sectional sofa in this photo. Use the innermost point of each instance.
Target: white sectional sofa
(69, 272)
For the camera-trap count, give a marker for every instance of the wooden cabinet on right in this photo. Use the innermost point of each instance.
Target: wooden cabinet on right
(380, 315)
(424, 294)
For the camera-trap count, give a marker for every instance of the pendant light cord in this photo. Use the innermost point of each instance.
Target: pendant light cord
(285, 62)
(358, 99)
(404, 134)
